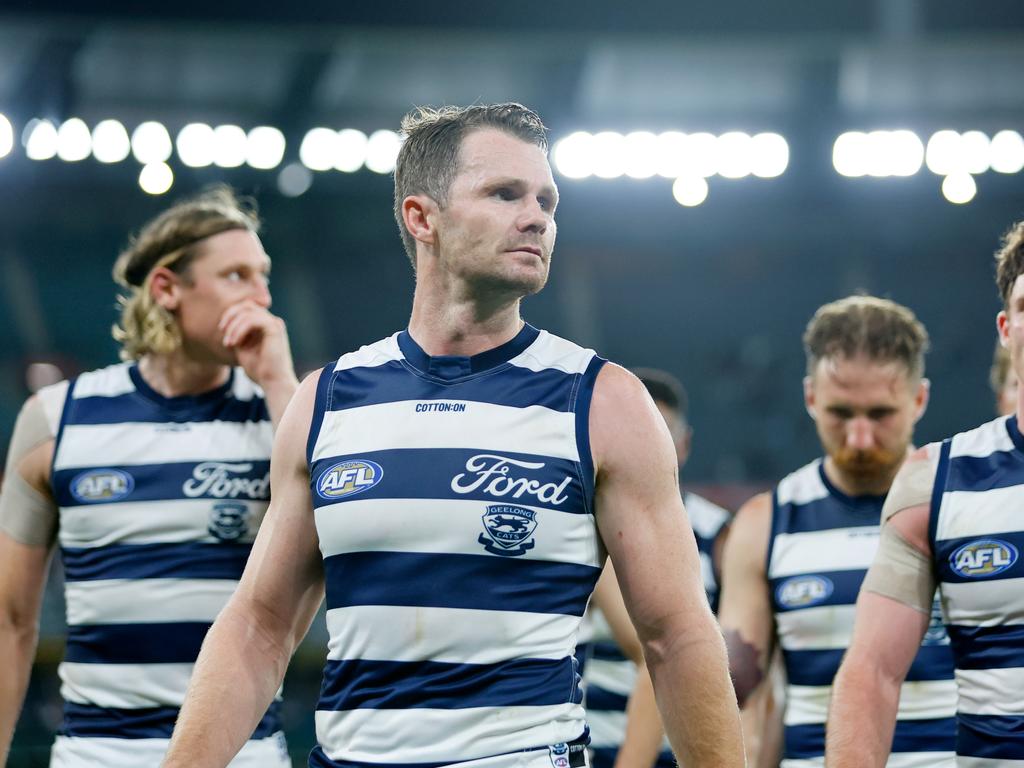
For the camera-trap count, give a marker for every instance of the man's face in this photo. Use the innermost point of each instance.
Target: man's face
(1010, 323)
(865, 412)
(232, 267)
(497, 229)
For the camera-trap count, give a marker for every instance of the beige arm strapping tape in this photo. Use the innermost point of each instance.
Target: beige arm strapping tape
(26, 515)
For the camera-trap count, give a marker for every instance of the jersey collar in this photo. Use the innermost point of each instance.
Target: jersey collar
(451, 367)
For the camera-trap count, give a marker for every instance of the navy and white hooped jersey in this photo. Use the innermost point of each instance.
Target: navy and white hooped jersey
(609, 676)
(160, 499)
(977, 536)
(822, 543)
(453, 499)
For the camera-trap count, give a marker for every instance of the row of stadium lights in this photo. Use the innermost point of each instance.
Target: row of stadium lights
(689, 159)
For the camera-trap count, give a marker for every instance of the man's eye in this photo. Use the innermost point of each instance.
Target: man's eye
(505, 194)
(234, 275)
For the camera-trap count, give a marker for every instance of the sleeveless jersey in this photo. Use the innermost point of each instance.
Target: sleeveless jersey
(977, 536)
(609, 676)
(160, 499)
(453, 502)
(822, 542)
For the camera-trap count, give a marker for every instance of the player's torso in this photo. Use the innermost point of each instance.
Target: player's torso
(977, 536)
(452, 499)
(822, 543)
(160, 499)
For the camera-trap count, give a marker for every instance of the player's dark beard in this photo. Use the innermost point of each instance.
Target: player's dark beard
(866, 466)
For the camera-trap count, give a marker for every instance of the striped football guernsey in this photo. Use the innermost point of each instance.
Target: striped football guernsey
(453, 499)
(160, 499)
(822, 542)
(977, 536)
(609, 676)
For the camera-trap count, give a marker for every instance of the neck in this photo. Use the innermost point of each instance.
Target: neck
(175, 374)
(449, 318)
(853, 485)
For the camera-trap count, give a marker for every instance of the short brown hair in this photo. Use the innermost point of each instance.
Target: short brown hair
(170, 240)
(879, 329)
(429, 157)
(1010, 261)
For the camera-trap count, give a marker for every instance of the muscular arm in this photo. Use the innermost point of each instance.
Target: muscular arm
(888, 629)
(246, 652)
(745, 610)
(646, 532)
(27, 522)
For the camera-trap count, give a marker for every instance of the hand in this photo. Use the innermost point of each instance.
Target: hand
(259, 340)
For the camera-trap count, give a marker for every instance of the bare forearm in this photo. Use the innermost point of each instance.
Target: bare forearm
(236, 676)
(644, 731)
(862, 716)
(17, 648)
(695, 695)
(278, 394)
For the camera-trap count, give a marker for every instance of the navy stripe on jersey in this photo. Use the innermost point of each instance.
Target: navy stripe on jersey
(149, 723)
(163, 482)
(163, 643)
(983, 473)
(998, 647)
(825, 513)
(188, 560)
(133, 407)
(941, 472)
(319, 408)
(480, 582)
(367, 684)
(819, 667)
(390, 383)
(602, 700)
(946, 548)
(996, 737)
(808, 740)
(427, 473)
(606, 650)
(845, 587)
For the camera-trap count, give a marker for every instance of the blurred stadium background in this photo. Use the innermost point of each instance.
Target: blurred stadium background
(725, 168)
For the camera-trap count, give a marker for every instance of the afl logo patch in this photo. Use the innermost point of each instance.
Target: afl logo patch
(803, 591)
(101, 485)
(982, 558)
(349, 478)
(507, 530)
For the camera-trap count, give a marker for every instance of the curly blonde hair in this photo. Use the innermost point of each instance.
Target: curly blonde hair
(170, 240)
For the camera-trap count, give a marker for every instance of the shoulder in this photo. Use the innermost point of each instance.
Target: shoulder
(754, 515)
(110, 381)
(985, 439)
(802, 486)
(370, 355)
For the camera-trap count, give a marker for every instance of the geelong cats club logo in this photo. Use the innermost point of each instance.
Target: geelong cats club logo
(508, 530)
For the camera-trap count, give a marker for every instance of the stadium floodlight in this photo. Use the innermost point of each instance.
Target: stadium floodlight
(572, 155)
(6, 136)
(959, 187)
(195, 145)
(229, 146)
(905, 152)
(156, 178)
(690, 191)
(769, 155)
(943, 155)
(351, 150)
(382, 151)
(608, 154)
(40, 140)
(1005, 152)
(735, 155)
(849, 154)
(974, 149)
(294, 179)
(151, 143)
(74, 142)
(671, 154)
(641, 154)
(265, 147)
(110, 142)
(701, 156)
(318, 149)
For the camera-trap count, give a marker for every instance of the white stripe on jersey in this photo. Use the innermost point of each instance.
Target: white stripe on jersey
(147, 522)
(979, 513)
(817, 628)
(986, 762)
(371, 355)
(453, 635)
(802, 486)
(991, 691)
(111, 381)
(551, 352)
(125, 686)
(835, 549)
(999, 603)
(129, 443)
(606, 727)
(927, 699)
(484, 427)
(806, 703)
(447, 526)
(982, 441)
(615, 676)
(126, 601)
(52, 400)
(76, 752)
(433, 735)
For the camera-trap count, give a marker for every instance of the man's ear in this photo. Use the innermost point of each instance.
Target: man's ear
(165, 288)
(419, 214)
